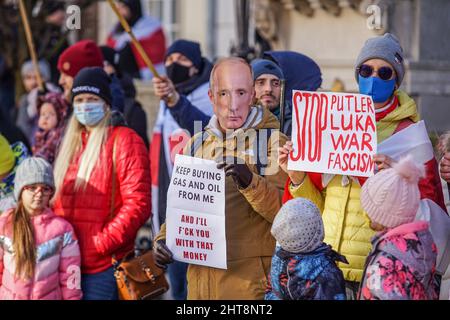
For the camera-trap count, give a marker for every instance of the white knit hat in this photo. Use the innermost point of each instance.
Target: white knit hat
(391, 197)
(298, 226)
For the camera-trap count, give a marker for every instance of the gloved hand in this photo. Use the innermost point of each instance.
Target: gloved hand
(163, 256)
(240, 172)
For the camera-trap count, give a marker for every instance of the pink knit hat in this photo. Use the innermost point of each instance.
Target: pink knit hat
(391, 197)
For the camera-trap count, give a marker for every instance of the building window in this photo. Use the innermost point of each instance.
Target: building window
(166, 12)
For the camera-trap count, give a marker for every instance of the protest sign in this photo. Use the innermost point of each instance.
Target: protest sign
(333, 133)
(196, 212)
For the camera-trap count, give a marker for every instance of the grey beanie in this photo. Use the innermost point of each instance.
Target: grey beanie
(44, 68)
(298, 226)
(264, 66)
(31, 171)
(386, 47)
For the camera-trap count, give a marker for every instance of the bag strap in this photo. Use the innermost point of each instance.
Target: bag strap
(113, 176)
(199, 142)
(113, 191)
(261, 157)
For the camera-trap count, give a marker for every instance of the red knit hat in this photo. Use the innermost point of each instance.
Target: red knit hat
(84, 53)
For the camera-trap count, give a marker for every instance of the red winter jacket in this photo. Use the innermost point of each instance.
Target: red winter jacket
(101, 234)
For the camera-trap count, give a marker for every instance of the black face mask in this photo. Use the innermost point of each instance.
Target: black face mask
(177, 73)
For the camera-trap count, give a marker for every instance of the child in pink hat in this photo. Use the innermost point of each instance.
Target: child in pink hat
(401, 264)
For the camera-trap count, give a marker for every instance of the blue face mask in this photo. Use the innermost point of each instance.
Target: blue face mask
(89, 113)
(380, 90)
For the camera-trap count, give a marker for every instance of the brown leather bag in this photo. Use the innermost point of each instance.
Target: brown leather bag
(138, 278)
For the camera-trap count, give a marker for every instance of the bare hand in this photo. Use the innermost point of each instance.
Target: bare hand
(165, 90)
(383, 161)
(283, 155)
(445, 167)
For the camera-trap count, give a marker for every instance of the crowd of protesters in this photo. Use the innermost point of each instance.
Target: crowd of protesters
(79, 176)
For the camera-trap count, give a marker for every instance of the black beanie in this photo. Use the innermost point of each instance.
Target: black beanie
(92, 80)
(190, 49)
(112, 56)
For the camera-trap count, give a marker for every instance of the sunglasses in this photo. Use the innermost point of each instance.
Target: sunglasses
(384, 73)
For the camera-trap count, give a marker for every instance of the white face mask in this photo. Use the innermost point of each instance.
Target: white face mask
(89, 113)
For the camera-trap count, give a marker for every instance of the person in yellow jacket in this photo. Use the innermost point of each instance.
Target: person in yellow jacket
(10, 158)
(253, 186)
(379, 72)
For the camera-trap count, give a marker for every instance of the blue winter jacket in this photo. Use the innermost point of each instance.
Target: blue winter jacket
(306, 276)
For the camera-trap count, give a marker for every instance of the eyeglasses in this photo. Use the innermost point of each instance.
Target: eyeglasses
(384, 73)
(46, 190)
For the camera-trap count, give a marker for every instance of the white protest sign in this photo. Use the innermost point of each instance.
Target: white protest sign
(333, 133)
(195, 216)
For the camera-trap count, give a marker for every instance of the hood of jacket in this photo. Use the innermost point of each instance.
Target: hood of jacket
(135, 13)
(311, 265)
(300, 71)
(128, 87)
(197, 80)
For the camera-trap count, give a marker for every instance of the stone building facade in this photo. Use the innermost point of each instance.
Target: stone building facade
(329, 31)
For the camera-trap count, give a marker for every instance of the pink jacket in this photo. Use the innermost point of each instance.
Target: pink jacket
(57, 273)
(401, 265)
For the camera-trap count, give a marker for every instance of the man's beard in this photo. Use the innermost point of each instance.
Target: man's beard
(271, 106)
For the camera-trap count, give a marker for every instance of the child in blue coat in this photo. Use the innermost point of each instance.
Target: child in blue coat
(303, 266)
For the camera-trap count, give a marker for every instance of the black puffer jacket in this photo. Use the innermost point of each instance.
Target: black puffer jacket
(133, 112)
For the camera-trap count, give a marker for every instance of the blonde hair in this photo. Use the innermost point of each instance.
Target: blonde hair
(23, 243)
(72, 144)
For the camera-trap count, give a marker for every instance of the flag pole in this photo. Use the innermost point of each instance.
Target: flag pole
(137, 44)
(30, 43)
(282, 103)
